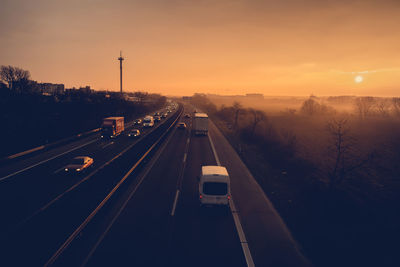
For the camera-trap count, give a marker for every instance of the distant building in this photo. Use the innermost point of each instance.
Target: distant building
(186, 97)
(85, 89)
(132, 98)
(255, 96)
(51, 88)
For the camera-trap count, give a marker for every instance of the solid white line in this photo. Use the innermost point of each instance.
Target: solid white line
(104, 201)
(44, 161)
(81, 181)
(235, 215)
(60, 169)
(175, 202)
(107, 145)
(180, 178)
(241, 234)
(141, 178)
(247, 254)
(25, 152)
(214, 151)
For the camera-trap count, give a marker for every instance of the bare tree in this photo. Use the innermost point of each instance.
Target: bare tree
(396, 105)
(258, 116)
(344, 158)
(382, 107)
(7, 75)
(364, 105)
(3, 86)
(237, 107)
(310, 107)
(16, 78)
(202, 101)
(340, 146)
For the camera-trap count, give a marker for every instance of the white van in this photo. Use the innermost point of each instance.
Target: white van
(148, 121)
(214, 186)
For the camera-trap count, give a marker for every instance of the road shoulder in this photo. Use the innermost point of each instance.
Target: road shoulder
(269, 239)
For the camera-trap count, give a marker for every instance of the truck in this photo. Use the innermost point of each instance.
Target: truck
(200, 124)
(112, 127)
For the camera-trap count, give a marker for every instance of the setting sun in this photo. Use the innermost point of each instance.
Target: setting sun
(200, 133)
(359, 79)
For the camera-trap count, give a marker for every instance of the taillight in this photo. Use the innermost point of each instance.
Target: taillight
(229, 197)
(201, 196)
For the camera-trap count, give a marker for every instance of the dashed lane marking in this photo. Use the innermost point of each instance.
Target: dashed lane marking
(175, 202)
(60, 169)
(109, 144)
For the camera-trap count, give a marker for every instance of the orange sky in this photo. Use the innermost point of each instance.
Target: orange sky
(228, 47)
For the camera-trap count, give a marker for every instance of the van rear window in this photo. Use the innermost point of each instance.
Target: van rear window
(212, 188)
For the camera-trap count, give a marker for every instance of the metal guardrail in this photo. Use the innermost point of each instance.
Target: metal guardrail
(56, 143)
(88, 219)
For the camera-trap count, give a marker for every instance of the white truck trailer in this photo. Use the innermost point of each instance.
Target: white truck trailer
(200, 124)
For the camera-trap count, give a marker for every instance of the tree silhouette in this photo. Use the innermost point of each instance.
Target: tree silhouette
(3, 86)
(396, 105)
(383, 106)
(364, 105)
(310, 107)
(237, 107)
(140, 95)
(258, 116)
(16, 78)
(344, 159)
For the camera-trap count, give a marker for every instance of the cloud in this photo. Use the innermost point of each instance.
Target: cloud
(367, 71)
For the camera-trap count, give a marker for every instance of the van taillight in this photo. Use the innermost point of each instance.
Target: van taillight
(201, 196)
(229, 197)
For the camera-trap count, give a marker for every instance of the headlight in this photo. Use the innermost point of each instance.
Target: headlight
(66, 169)
(78, 170)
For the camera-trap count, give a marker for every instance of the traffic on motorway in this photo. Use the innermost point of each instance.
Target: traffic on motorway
(151, 192)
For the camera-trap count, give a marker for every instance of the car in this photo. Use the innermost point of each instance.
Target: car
(134, 133)
(164, 115)
(157, 118)
(79, 164)
(187, 115)
(148, 121)
(156, 113)
(181, 125)
(138, 122)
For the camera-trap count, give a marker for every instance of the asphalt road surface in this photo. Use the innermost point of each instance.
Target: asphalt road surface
(138, 206)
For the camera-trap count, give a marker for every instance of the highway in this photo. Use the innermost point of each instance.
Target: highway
(138, 206)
